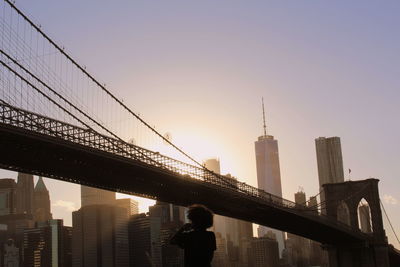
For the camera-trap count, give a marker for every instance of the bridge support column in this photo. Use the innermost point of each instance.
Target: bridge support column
(358, 256)
(374, 252)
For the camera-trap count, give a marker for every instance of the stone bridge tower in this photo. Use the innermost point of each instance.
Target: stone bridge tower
(357, 204)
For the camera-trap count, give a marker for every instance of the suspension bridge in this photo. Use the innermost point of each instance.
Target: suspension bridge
(58, 121)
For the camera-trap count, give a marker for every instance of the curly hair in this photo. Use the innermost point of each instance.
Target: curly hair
(200, 216)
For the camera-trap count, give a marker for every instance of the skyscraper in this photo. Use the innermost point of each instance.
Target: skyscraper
(298, 248)
(268, 174)
(8, 189)
(171, 217)
(41, 205)
(25, 193)
(329, 160)
(330, 163)
(144, 241)
(231, 231)
(264, 251)
(100, 236)
(49, 244)
(131, 206)
(100, 230)
(95, 196)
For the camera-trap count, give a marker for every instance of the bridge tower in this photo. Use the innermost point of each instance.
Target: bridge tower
(343, 204)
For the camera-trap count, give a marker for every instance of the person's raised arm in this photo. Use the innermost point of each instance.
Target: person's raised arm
(179, 237)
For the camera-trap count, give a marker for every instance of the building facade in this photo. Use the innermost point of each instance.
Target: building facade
(100, 236)
(263, 251)
(329, 160)
(144, 241)
(47, 245)
(130, 205)
(41, 205)
(269, 177)
(95, 196)
(8, 197)
(232, 231)
(25, 191)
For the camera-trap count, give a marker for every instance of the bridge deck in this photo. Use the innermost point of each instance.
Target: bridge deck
(36, 144)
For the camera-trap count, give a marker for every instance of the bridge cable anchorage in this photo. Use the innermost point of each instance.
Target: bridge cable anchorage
(100, 85)
(65, 110)
(390, 223)
(69, 103)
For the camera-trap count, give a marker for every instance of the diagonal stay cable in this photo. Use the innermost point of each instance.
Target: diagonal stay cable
(390, 223)
(100, 85)
(69, 103)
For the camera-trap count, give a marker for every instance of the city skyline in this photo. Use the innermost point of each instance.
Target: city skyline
(297, 119)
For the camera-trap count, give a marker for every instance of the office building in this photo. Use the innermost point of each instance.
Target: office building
(172, 217)
(232, 231)
(95, 196)
(298, 248)
(47, 245)
(263, 251)
(329, 160)
(130, 205)
(144, 241)
(10, 257)
(41, 205)
(100, 236)
(168, 213)
(8, 197)
(269, 175)
(25, 193)
(313, 204)
(220, 258)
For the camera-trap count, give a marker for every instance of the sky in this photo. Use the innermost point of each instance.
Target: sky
(198, 70)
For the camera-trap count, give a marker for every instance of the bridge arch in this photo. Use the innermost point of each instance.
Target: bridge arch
(365, 216)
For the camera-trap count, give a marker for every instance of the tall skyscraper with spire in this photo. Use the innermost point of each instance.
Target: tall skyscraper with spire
(24, 193)
(268, 173)
(41, 204)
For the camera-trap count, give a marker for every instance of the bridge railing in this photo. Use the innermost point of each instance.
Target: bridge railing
(33, 122)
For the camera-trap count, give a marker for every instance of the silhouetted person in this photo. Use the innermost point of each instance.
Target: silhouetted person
(198, 243)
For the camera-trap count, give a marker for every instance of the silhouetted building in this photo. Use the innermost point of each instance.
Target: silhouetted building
(41, 207)
(300, 251)
(95, 196)
(47, 245)
(269, 175)
(232, 231)
(168, 213)
(8, 197)
(263, 252)
(298, 248)
(11, 254)
(313, 204)
(220, 258)
(172, 218)
(144, 241)
(131, 206)
(329, 160)
(100, 236)
(25, 193)
(14, 225)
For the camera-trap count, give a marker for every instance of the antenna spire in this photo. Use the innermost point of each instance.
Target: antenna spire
(265, 126)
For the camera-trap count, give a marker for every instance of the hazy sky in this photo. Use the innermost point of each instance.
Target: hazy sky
(198, 70)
